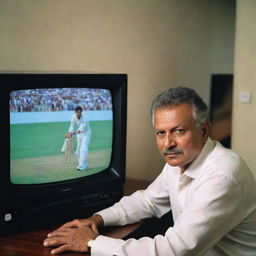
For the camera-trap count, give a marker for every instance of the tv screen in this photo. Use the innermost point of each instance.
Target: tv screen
(39, 119)
(63, 147)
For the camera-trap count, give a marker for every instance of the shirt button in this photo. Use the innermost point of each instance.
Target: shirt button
(181, 211)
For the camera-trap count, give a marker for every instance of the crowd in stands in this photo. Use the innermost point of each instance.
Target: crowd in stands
(60, 99)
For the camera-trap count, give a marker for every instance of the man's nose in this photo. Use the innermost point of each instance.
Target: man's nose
(169, 141)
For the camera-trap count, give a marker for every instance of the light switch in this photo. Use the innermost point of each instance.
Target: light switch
(245, 97)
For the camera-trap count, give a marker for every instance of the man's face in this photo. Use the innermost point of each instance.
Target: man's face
(78, 113)
(178, 138)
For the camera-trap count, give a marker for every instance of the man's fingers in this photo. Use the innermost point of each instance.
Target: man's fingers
(53, 242)
(70, 224)
(59, 233)
(60, 249)
(72, 239)
(66, 225)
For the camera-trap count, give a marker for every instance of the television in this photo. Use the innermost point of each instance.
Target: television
(45, 119)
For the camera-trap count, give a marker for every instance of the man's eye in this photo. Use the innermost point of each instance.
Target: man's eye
(159, 133)
(179, 131)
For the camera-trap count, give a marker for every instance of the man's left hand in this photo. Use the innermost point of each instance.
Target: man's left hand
(70, 239)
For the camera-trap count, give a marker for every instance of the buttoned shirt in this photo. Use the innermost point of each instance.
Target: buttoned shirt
(213, 204)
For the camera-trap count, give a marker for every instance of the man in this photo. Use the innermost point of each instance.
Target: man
(79, 127)
(209, 188)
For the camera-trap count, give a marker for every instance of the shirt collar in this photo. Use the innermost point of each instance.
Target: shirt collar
(196, 166)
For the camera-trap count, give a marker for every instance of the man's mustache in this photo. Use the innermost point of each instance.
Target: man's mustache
(172, 150)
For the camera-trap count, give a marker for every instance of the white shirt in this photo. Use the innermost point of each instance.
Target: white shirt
(80, 124)
(213, 204)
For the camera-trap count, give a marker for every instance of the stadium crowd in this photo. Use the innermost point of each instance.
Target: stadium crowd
(60, 99)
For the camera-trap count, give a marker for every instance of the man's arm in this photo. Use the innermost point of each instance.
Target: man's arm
(209, 217)
(141, 204)
(151, 202)
(72, 125)
(84, 127)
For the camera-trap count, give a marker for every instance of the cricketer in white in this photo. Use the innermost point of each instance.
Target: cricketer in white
(80, 127)
(210, 190)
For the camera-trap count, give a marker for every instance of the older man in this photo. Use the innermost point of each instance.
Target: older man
(210, 190)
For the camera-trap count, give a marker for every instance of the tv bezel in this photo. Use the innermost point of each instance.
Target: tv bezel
(35, 195)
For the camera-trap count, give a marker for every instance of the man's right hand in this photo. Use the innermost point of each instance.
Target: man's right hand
(68, 135)
(94, 222)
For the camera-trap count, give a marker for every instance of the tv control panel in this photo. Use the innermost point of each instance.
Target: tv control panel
(58, 212)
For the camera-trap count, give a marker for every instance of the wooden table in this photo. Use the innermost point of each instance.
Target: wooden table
(31, 243)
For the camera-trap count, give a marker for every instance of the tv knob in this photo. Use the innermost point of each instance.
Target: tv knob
(8, 217)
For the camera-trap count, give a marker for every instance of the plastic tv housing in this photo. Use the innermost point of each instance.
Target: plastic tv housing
(39, 185)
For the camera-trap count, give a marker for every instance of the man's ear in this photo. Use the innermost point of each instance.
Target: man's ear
(206, 130)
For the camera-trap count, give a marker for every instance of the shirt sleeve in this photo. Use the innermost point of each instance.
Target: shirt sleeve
(215, 210)
(84, 127)
(154, 201)
(72, 125)
(81, 127)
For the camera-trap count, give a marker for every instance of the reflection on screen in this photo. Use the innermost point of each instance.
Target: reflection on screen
(39, 120)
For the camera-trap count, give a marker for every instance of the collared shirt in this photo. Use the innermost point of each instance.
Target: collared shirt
(213, 204)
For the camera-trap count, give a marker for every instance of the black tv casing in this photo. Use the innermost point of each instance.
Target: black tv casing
(23, 207)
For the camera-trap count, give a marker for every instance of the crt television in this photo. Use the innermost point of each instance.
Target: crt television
(40, 182)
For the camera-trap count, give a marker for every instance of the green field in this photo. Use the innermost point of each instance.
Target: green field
(36, 156)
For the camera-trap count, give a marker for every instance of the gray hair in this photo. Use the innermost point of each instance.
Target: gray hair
(179, 95)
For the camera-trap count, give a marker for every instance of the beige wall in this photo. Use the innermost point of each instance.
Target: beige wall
(244, 115)
(158, 43)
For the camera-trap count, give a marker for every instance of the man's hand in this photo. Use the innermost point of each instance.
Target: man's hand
(94, 222)
(68, 135)
(70, 239)
(74, 235)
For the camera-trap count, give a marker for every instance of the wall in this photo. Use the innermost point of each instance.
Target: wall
(158, 43)
(244, 121)
(56, 116)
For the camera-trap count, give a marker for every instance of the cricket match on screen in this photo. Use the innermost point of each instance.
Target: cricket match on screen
(59, 134)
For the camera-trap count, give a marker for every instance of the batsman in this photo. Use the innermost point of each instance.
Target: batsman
(80, 128)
